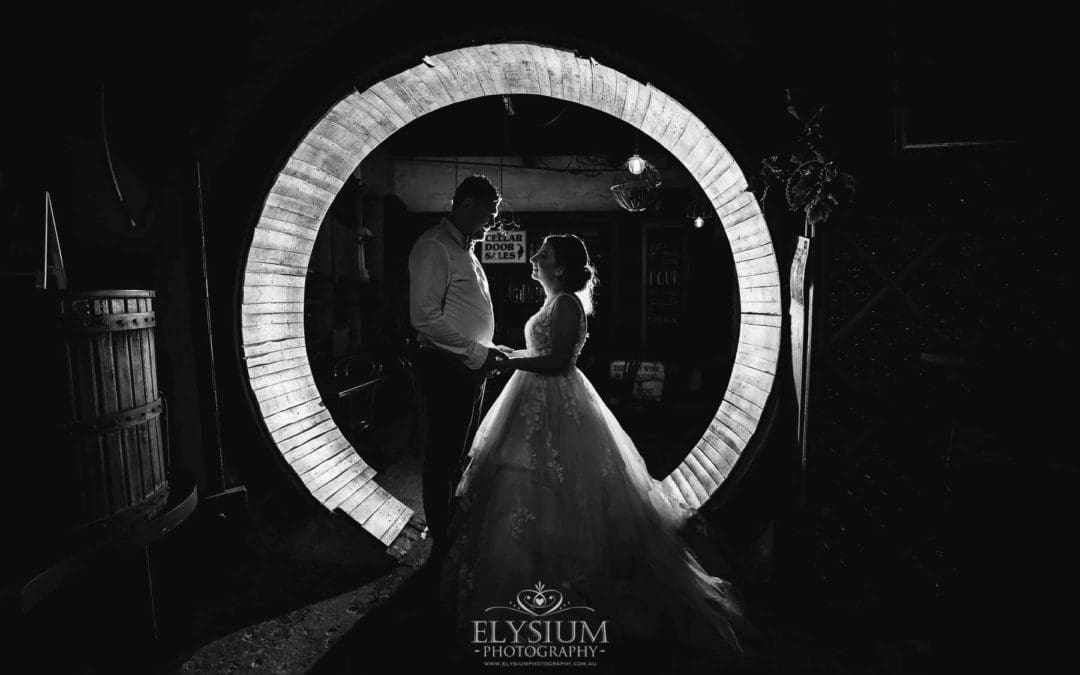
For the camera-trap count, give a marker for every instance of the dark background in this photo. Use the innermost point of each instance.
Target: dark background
(937, 498)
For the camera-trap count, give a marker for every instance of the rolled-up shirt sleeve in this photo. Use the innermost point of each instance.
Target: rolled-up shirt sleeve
(429, 278)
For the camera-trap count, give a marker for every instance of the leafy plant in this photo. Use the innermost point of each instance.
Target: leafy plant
(813, 185)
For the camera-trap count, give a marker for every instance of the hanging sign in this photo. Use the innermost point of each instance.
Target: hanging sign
(504, 247)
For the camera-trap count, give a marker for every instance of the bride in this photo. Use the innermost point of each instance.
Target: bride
(556, 506)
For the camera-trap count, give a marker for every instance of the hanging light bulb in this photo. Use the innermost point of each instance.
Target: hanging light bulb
(698, 211)
(636, 185)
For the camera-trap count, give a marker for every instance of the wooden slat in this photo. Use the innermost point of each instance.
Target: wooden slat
(252, 320)
(759, 280)
(752, 377)
(333, 129)
(701, 492)
(379, 523)
(279, 240)
(606, 81)
(290, 399)
(286, 417)
(654, 113)
(125, 398)
(354, 500)
(279, 256)
(277, 220)
(271, 332)
(345, 493)
(708, 464)
(257, 294)
(312, 173)
(543, 76)
(270, 352)
(764, 336)
(465, 74)
(684, 488)
(763, 360)
(107, 402)
(271, 307)
(334, 440)
(744, 391)
(366, 114)
(310, 440)
(370, 505)
(281, 376)
(311, 208)
(774, 320)
(292, 435)
(414, 84)
(734, 427)
(377, 104)
(750, 236)
(746, 268)
(326, 156)
(680, 120)
(588, 94)
(711, 172)
(519, 69)
(751, 407)
(293, 385)
(257, 267)
(442, 68)
(767, 357)
(686, 146)
(571, 77)
(327, 479)
(713, 153)
(286, 280)
(323, 454)
(391, 92)
(727, 185)
(330, 155)
(396, 528)
(720, 428)
(298, 189)
(701, 474)
(719, 453)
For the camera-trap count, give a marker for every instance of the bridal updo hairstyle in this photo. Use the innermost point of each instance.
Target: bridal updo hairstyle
(579, 274)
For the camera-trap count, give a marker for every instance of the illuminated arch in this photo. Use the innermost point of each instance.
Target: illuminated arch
(273, 298)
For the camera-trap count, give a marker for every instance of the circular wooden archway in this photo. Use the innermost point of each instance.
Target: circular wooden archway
(277, 261)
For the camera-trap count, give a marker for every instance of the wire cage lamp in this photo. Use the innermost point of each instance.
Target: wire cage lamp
(698, 211)
(636, 184)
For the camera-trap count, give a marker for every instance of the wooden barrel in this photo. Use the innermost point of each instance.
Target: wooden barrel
(111, 450)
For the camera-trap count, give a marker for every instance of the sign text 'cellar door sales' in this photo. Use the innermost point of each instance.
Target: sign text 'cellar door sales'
(503, 247)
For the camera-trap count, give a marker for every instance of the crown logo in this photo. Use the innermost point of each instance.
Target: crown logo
(540, 601)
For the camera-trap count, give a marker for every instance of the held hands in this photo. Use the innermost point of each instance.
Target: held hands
(494, 361)
(498, 360)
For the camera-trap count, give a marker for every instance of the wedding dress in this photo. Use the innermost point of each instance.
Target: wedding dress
(555, 494)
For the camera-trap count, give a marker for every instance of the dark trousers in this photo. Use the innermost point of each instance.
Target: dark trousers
(454, 395)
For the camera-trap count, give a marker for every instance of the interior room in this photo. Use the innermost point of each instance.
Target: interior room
(821, 325)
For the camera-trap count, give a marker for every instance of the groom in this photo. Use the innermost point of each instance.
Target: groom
(450, 308)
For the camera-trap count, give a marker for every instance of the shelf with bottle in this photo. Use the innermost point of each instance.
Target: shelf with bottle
(523, 293)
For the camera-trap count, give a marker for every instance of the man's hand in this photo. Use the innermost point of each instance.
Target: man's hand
(495, 358)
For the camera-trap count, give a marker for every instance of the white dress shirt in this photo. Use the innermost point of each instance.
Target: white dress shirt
(449, 300)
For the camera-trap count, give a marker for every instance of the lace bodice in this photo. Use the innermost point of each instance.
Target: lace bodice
(538, 330)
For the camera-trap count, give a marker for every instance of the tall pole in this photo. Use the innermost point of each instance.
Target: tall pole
(807, 357)
(216, 474)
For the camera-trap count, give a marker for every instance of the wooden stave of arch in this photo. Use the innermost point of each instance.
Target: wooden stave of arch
(272, 306)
